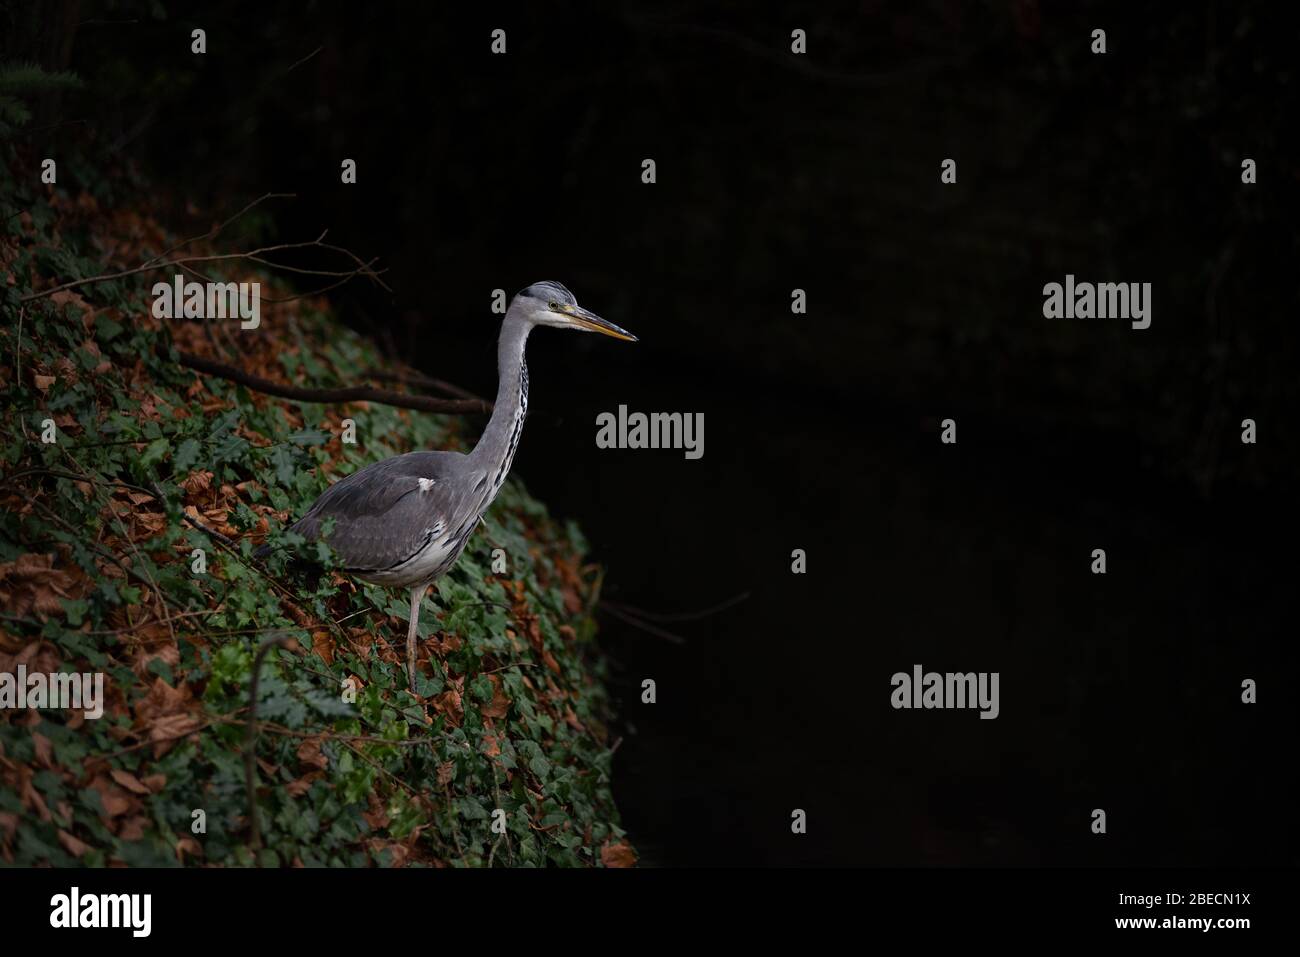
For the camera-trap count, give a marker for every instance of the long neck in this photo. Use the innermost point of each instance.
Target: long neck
(496, 447)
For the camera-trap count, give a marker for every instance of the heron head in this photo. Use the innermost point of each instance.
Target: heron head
(550, 304)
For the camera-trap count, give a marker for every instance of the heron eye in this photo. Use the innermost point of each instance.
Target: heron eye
(554, 305)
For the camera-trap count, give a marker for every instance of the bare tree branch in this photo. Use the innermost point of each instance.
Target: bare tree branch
(354, 393)
(250, 740)
(212, 233)
(254, 255)
(304, 59)
(423, 381)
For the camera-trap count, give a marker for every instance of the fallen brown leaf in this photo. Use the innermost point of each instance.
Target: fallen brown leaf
(500, 704)
(73, 846)
(309, 753)
(167, 731)
(129, 781)
(617, 855)
(43, 749)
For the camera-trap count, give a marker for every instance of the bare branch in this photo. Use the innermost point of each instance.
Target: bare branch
(353, 393)
(254, 255)
(674, 616)
(215, 230)
(642, 625)
(304, 60)
(250, 741)
(423, 381)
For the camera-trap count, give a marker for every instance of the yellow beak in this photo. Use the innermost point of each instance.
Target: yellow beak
(585, 319)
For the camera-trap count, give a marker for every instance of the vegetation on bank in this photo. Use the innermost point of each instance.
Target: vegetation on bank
(126, 548)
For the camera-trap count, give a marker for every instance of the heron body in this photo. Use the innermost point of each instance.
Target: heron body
(404, 521)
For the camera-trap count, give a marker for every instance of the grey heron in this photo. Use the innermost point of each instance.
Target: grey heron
(404, 521)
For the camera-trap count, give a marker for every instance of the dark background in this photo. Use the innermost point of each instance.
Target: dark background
(821, 172)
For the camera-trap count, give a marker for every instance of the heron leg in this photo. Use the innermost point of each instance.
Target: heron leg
(417, 596)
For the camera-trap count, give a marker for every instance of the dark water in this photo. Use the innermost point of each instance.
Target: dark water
(1117, 691)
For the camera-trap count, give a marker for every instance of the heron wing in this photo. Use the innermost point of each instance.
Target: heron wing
(385, 513)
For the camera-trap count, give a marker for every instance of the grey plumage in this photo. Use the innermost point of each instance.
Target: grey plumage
(404, 521)
(387, 513)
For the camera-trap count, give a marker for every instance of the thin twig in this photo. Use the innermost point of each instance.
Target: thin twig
(379, 767)
(156, 492)
(643, 625)
(505, 833)
(18, 368)
(422, 380)
(126, 535)
(333, 735)
(18, 350)
(194, 522)
(455, 821)
(355, 393)
(304, 59)
(215, 230)
(150, 621)
(253, 255)
(170, 737)
(250, 741)
(59, 473)
(677, 616)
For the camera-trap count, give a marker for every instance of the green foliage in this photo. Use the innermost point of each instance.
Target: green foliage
(21, 80)
(511, 708)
